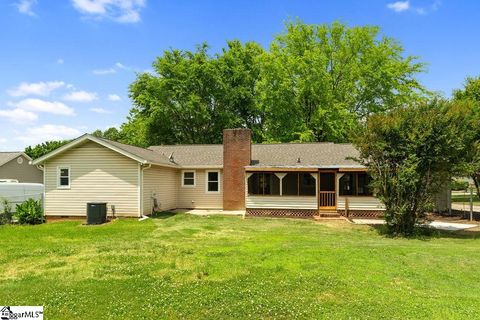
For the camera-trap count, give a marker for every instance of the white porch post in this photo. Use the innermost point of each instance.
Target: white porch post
(281, 176)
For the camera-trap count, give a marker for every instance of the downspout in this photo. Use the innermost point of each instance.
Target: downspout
(44, 169)
(142, 169)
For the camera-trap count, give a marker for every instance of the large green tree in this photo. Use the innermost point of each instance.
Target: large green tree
(315, 83)
(318, 82)
(43, 148)
(193, 96)
(470, 94)
(411, 152)
(111, 133)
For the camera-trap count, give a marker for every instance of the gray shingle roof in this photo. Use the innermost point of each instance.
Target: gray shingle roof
(310, 154)
(282, 154)
(147, 154)
(211, 155)
(193, 155)
(8, 156)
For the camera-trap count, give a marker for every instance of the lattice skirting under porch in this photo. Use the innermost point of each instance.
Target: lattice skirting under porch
(295, 213)
(361, 213)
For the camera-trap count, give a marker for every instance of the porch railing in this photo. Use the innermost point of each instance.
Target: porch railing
(326, 199)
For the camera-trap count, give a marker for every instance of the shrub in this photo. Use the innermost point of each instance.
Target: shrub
(6, 214)
(459, 185)
(30, 212)
(410, 153)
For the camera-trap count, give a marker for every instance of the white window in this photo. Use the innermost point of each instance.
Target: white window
(188, 178)
(63, 178)
(213, 181)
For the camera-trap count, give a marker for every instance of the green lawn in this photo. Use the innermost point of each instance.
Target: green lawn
(186, 266)
(465, 198)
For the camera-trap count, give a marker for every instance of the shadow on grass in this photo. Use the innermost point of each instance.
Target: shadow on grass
(426, 233)
(163, 215)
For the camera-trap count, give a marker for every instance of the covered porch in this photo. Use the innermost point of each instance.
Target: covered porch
(308, 191)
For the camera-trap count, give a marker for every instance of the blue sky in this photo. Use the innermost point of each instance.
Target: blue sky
(65, 65)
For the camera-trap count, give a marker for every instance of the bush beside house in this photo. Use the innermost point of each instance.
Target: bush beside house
(28, 212)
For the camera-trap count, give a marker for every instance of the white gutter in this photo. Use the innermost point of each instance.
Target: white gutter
(201, 166)
(307, 167)
(140, 196)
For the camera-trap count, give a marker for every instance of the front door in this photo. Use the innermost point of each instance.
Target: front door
(326, 191)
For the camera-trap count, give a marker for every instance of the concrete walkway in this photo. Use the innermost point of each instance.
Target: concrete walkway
(449, 226)
(211, 212)
(464, 207)
(368, 221)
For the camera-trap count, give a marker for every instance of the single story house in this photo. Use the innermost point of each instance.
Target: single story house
(288, 179)
(15, 166)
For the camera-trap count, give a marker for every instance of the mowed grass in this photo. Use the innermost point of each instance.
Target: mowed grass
(187, 267)
(465, 198)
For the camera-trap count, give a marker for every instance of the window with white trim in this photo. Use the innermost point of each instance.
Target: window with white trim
(64, 177)
(188, 179)
(213, 181)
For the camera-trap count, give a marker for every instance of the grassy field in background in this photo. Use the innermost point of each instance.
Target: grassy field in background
(182, 266)
(465, 198)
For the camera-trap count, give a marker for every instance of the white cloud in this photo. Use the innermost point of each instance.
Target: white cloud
(102, 72)
(131, 16)
(436, 5)
(100, 110)
(60, 61)
(80, 96)
(18, 115)
(3, 140)
(48, 132)
(399, 6)
(117, 67)
(121, 66)
(114, 97)
(38, 105)
(25, 6)
(427, 9)
(114, 69)
(37, 88)
(123, 11)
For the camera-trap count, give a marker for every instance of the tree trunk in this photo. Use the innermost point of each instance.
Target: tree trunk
(476, 180)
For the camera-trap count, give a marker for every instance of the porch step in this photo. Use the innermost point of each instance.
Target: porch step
(328, 214)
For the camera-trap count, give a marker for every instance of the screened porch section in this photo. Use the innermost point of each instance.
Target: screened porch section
(323, 190)
(281, 190)
(282, 184)
(355, 193)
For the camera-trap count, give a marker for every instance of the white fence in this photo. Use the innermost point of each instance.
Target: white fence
(16, 193)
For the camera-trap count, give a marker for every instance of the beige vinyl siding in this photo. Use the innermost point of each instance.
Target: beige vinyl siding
(96, 174)
(23, 172)
(360, 203)
(197, 197)
(281, 202)
(161, 183)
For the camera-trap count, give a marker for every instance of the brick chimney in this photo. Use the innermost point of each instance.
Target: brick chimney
(237, 153)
